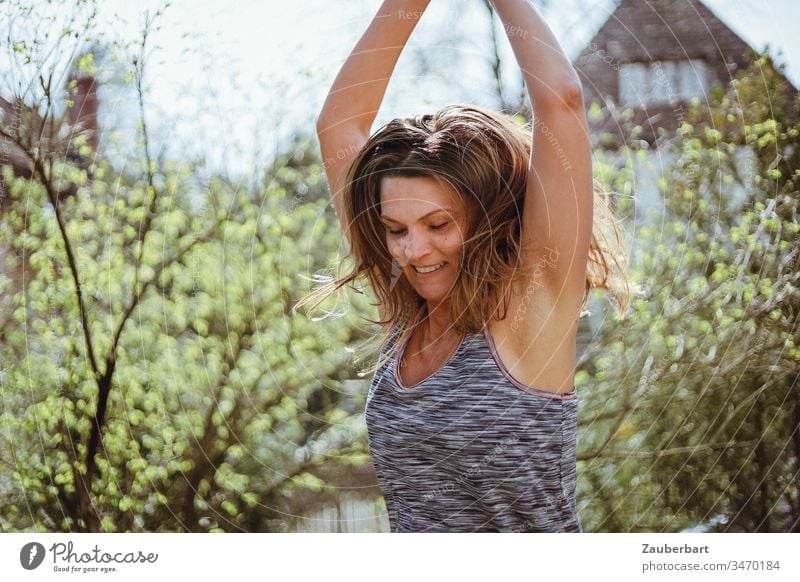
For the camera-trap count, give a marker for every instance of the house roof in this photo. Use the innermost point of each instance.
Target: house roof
(651, 30)
(654, 29)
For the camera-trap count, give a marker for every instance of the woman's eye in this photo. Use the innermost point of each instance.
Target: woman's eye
(434, 227)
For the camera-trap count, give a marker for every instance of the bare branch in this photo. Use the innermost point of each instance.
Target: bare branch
(692, 449)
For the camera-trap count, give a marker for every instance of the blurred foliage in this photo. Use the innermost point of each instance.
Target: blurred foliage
(220, 405)
(691, 406)
(152, 376)
(154, 380)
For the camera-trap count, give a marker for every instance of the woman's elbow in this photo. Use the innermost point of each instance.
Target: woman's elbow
(562, 91)
(322, 123)
(573, 94)
(566, 94)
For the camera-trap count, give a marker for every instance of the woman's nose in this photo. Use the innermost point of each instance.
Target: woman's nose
(415, 247)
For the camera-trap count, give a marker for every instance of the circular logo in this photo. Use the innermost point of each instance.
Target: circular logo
(31, 555)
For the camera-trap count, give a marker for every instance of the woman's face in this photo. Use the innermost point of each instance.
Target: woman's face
(425, 225)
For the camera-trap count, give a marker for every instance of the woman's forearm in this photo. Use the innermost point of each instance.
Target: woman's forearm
(548, 72)
(358, 90)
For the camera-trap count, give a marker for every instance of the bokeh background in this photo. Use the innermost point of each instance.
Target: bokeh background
(163, 205)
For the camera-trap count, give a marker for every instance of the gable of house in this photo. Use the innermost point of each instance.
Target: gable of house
(17, 118)
(652, 56)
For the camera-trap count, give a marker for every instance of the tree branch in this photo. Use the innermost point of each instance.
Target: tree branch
(662, 453)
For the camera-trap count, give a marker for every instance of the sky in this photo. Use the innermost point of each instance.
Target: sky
(235, 79)
(269, 35)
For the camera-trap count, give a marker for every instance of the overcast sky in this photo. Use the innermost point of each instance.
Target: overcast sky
(232, 79)
(267, 35)
(284, 55)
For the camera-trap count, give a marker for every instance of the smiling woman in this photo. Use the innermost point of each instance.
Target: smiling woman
(453, 187)
(426, 235)
(454, 224)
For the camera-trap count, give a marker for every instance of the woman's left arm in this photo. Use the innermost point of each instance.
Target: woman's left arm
(557, 221)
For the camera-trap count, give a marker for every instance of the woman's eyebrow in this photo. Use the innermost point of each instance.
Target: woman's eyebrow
(386, 218)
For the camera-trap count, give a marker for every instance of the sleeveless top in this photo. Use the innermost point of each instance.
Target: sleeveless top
(470, 448)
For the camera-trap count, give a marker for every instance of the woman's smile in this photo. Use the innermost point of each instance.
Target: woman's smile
(427, 271)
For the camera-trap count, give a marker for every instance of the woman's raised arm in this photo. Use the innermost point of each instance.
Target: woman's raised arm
(557, 219)
(344, 123)
(549, 74)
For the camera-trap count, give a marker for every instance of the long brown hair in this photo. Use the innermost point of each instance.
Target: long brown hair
(483, 156)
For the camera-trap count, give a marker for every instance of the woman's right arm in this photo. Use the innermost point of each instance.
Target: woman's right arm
(343, 125)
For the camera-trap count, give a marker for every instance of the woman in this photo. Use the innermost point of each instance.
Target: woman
(481, 256)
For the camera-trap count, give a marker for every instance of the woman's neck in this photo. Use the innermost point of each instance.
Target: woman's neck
(436, 325)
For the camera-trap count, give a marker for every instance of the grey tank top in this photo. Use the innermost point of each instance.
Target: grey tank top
(471, 449)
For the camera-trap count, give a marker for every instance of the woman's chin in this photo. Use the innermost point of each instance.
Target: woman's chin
(435, 290)
(434, 295)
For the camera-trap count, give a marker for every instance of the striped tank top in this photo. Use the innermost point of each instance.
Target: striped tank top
(471, 449)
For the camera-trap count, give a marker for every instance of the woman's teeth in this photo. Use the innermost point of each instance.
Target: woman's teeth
(429, 269)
